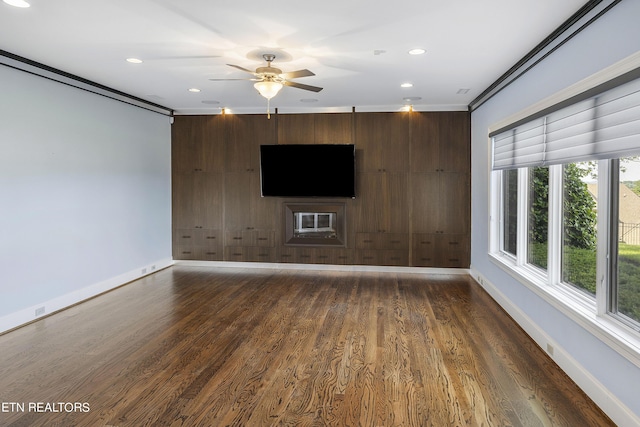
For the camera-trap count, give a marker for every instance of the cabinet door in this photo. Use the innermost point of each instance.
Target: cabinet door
(426, 202)
(441, 250)
(296, 128)
(244, 135)
(454, 200)
(197, 244)
(385, 241)
(440, 142)
(333, 128)
(455, 142)
(382, 257)
(382, 203)
(197, 143)
(425, 142)
(197, 200)
(453, 250)
(382, 142)
(424, 250)
(245, 209)
(441, 202)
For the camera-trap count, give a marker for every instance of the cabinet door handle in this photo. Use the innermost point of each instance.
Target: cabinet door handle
(186, 237)
(237, 238)
(395, 241)
(236, 254)
(262, 238)
(367, 241)
(211, 237)
(454, 243)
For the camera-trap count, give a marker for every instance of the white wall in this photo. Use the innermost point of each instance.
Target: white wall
(85, 194)
(613, 37)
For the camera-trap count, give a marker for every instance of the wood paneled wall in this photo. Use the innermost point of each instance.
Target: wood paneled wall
(413, 188)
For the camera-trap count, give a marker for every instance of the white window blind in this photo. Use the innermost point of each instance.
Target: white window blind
(603, 126)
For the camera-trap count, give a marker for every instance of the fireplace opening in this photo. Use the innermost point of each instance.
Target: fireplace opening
(317, 224)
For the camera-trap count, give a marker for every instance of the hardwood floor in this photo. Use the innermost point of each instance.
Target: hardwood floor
(191, 346)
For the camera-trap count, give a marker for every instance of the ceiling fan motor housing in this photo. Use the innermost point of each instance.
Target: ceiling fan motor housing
(269, 71)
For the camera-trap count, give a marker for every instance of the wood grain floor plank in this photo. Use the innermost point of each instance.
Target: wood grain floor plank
(192, 346)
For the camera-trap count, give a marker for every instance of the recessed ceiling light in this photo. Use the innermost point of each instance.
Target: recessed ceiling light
(308, 100)
(194, 89)
(406, 85)
(462, 91)
(412, 98)
(210, 101)
(417, 51)
(134, 60)
(17, 3)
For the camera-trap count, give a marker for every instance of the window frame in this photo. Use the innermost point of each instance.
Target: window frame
(594, 313)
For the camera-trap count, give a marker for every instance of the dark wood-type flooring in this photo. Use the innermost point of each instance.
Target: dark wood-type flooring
(192, 346)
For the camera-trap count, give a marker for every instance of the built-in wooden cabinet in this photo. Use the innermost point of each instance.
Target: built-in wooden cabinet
(412, 184)
(325, 128)
(382, 202)
(440, 142)
(315, 255)
(198, 244)
(440, 250)
(197, 144)
(197, 200)
(243, 136)
(382, 142)
(441, 202)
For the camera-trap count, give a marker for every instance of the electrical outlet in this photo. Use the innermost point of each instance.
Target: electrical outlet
(153, 267)
(550, 349)
(39, 311)
(144, 271)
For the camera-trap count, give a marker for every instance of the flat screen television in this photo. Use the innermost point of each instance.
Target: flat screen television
(307, 170)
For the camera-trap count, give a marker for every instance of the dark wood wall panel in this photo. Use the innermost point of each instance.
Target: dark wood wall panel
(413, 188)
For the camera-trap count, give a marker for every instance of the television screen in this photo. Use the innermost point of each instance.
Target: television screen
(304, 170)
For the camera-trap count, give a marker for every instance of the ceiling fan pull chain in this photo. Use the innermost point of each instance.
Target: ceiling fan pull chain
(268, 109)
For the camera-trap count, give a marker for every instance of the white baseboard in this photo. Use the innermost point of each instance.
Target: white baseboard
(607, 401)
(27, 315)
(325, 267)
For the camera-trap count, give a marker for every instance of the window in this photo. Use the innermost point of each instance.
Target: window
(625, 290)
(510, 211)
(579, 201)
(566, 191)
(538, 217)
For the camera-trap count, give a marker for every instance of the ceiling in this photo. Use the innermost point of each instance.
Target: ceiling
(357, 49)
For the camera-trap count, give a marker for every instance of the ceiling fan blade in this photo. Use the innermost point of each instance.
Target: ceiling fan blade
(301, 86)
(225, 80)
(296, 74)
(241, 68)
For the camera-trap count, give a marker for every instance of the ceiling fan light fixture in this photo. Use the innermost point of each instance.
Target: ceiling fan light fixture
(417, 51)
(268, 89)
(17, 3)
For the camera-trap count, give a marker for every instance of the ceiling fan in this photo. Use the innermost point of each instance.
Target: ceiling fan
(269, 80)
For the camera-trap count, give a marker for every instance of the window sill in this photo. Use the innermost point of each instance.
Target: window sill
(577, 307)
